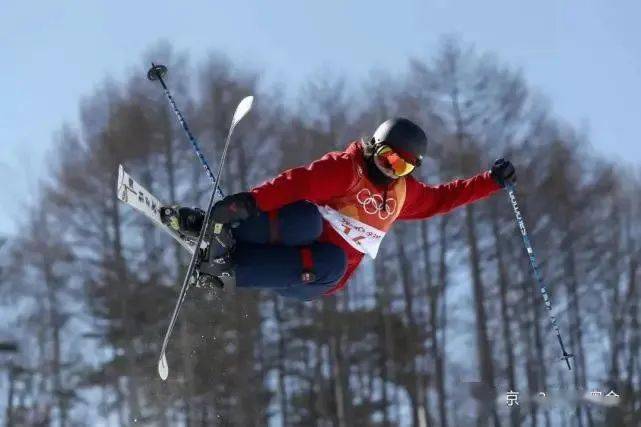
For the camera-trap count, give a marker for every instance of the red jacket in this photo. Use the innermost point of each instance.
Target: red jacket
(334, 176)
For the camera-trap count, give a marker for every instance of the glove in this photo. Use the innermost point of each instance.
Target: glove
(234, 208)
(182, 219)
(190, 219)
(503, 172)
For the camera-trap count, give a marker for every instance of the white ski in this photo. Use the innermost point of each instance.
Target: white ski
(136, 196)
(241, 110)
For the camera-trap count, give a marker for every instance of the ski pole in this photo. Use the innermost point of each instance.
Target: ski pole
(156, 72)
(535, 268)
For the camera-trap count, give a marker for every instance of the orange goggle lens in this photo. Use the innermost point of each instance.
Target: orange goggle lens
(393, 161)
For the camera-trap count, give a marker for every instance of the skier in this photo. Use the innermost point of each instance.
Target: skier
(303, 233)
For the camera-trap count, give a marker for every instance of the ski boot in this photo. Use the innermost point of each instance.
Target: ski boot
(216, 260)
(185, 221)
(215, 266)
(207, 281)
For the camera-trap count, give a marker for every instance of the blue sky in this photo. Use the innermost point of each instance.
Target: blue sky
(581, 55)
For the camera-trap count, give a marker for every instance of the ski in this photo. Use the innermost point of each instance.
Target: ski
(139, 198)
(192, 271)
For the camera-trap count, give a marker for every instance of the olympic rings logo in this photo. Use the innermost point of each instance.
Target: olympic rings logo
(373, 204)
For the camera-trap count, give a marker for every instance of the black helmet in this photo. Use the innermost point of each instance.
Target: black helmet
(405, 137)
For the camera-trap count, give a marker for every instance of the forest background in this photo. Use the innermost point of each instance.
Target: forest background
(446, 314)
(435, 332)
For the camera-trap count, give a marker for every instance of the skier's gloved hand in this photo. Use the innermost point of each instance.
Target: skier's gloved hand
(233, 208)
(503, 172)
(190, 219)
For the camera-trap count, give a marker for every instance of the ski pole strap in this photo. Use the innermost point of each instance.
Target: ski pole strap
(307, 260)
(274, 227)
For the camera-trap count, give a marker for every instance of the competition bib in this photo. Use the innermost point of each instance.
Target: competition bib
(362, 237)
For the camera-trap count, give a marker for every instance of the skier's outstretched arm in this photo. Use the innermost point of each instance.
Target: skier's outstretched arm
(323, 179)
(424, 201)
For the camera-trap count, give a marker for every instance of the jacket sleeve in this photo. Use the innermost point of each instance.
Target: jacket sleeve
(330, 176)
(423, 201)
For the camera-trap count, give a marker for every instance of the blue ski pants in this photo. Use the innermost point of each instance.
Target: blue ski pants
(279, 250)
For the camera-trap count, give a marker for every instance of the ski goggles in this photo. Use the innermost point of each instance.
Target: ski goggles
(394, 161)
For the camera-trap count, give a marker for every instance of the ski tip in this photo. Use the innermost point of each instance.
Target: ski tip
(122, 195)
(163, 368)
(242, 109)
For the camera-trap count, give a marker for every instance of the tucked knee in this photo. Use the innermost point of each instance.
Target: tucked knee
(300, 223)
(309, 211)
